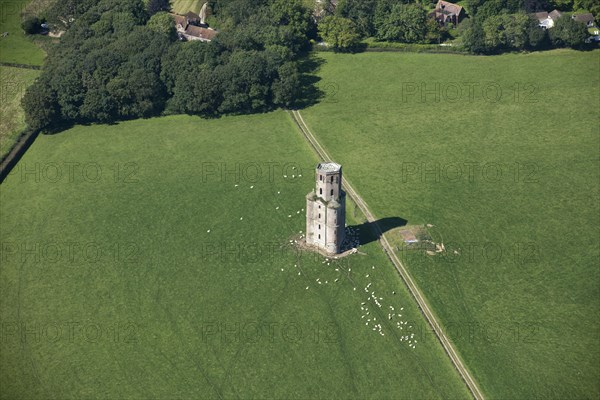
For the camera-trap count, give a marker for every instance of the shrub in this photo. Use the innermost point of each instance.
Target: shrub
(31, 25)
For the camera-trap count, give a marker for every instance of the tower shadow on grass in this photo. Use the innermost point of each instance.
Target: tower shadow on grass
(367, 232)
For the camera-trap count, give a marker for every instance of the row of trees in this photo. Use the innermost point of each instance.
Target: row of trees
(494, 25)
(504, 25)
(117, 62)
(502, 32)
(385, 20)
(486, 8)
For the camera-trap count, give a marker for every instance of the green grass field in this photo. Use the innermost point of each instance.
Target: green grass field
(500, 155)
(20, 49)
(185, 6)
(16, 47)
(13, 83)
(111, 285)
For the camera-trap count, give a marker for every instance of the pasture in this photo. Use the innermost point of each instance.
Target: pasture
(152, 259)
(14, 82)
(499, 155)
(17, 47)
(185, 6)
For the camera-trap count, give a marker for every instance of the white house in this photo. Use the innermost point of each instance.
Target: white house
(546, 20)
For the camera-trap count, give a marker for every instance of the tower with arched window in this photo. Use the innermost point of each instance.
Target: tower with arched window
(326, 209)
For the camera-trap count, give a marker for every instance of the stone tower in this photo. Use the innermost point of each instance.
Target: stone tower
(326, 209)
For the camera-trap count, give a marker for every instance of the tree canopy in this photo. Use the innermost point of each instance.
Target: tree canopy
(339, 32)
(402, 22)
(503, 32)
(568, 33)
(119, 61)
(155, 6)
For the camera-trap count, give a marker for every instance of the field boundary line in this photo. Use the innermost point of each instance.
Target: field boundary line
(18, 149)
(387, 248)
(23, 66)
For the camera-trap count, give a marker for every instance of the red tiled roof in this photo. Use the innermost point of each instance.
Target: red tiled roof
(179, 19)
(202, 33)
(448, 8)
(192, 16)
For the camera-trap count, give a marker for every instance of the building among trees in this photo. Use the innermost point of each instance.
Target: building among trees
(192, 26)
(546, 20)
(447, 13)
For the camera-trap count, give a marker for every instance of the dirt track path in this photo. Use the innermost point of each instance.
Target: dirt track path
(412, 287)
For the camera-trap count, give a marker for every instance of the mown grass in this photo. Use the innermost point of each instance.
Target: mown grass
(20, 49)
(127, 294)
(14, 81)
(185, 6)
(17, 47)
(510, 184)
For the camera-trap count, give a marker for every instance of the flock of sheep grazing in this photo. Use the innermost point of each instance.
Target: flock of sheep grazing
(352, 241)
(372, 320)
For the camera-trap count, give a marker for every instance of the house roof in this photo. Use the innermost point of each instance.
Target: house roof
(446, 7)
(179, 19)
(583, 17)
(192, 30)
(192, 16)
(202, 33)
(555, 14)
(540, 16)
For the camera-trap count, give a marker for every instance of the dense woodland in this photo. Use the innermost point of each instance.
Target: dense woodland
(121, 59)
(116, 61)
